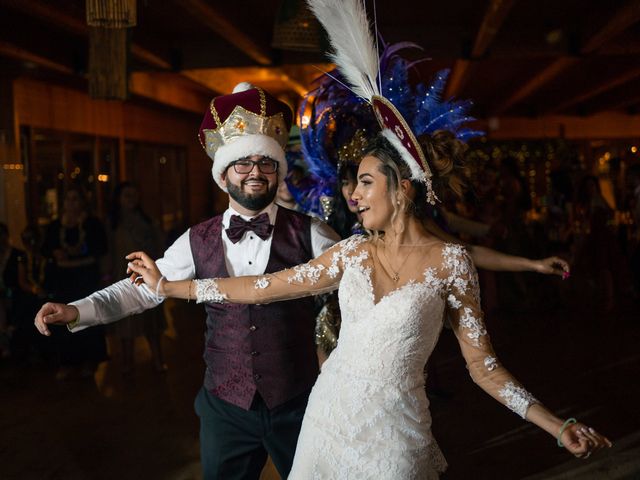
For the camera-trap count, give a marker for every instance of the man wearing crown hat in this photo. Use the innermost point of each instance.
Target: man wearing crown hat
(260, 359)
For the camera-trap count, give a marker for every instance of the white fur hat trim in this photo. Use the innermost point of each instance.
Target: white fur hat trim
(417, 173)
(245, 146)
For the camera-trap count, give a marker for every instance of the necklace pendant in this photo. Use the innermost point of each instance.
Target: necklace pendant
(396, 277)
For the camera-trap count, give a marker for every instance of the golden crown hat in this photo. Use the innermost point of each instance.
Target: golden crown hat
(247, 122)
(351, 152)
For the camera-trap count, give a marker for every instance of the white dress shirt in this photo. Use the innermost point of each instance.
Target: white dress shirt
(247, 257)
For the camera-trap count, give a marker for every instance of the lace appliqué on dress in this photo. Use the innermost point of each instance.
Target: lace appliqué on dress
(462, 279)
(461, 271)
(490, 363)
(342, 255)
(207, 291)
(308, 271)
(262, 283)
(518, 400)
(432, 280)
(453, 302)
(474, 325)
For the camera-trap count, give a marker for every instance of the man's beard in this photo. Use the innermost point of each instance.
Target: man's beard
(255, 202)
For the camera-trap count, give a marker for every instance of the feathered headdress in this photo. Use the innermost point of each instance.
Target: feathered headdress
(331, 116)
(401, 115)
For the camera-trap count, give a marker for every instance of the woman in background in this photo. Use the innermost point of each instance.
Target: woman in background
(77, 242)
(131, 228)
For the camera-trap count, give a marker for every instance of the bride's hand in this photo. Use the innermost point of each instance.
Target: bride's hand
(553, 265)
(142, 269)
(583, 441)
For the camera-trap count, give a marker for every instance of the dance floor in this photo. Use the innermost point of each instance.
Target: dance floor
(143, 427)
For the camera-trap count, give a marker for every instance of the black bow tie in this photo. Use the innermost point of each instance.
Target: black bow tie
(259, 225)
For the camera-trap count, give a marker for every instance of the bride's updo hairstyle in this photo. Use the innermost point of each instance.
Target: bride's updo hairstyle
(446, 157)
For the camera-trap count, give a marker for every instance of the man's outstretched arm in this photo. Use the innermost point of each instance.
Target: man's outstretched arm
(120, 299)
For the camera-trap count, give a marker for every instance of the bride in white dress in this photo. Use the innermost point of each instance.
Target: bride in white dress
(368, 414)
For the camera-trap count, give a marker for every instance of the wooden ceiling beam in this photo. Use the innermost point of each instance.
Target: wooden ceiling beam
(166, 88)
(217, 22)
(608, 85)
(622, 19)
(553, 70)
(626, 103)
(13, 51)
(493, 19)
(48, 13)
(148, 57)
(77, 26)
(167, 91)
(619, 99)
(457, 78)
(293, 83)
(296, 78)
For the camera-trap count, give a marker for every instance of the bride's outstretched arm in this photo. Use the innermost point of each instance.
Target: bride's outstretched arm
(465, 314)
(317, 276)
(489, 259)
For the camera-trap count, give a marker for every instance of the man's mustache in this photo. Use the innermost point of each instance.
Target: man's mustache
(256, 179)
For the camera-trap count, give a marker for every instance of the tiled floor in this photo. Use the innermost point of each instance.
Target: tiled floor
(586, 365)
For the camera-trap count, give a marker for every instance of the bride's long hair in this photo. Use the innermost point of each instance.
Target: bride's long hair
(446, 156)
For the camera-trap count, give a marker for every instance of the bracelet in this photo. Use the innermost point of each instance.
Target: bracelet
(189, 291)
(567, 422)
(158, 297)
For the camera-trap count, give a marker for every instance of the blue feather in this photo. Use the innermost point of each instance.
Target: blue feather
(336, 114)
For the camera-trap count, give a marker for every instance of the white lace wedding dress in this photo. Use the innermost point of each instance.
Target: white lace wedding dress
(368, 415)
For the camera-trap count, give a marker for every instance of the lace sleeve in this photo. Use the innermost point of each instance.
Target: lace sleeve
(320, 275)
(465, 314)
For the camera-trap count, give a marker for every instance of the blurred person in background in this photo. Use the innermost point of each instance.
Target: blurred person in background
(633, 177)
(595, 248)
(8, 289)
(131, 228)
(77, 242)
(35, 274)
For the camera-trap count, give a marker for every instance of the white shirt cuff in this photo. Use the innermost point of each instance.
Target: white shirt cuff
(86, 315)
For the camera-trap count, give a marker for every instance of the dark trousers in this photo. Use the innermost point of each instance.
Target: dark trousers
(234, 442)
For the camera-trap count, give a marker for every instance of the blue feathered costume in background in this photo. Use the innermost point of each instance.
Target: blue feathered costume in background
(331, 115)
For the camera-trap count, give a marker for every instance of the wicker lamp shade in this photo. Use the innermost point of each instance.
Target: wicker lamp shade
(108, 51)
(296, 28)
(111, 13)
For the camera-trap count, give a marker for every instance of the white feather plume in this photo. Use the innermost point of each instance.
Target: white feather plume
(354, 49)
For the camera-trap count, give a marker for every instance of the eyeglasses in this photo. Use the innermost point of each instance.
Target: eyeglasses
(265, 165)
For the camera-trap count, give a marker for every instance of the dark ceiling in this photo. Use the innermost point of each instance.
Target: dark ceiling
(512, 57)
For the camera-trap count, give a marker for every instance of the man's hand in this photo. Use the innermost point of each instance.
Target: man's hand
(54, 314)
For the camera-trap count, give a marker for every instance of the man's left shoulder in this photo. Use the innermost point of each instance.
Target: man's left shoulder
(318, 228)
(292, 216)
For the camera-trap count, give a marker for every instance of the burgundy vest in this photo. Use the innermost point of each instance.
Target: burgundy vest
(264, 348)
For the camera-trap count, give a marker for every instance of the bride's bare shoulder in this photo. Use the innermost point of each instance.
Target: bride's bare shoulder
(439, 247)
